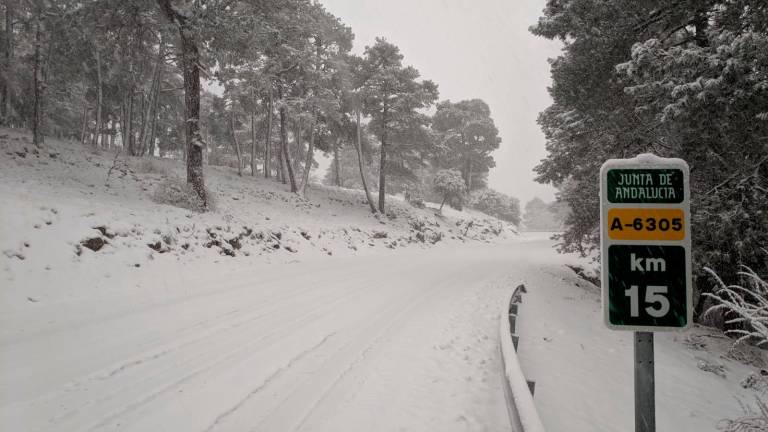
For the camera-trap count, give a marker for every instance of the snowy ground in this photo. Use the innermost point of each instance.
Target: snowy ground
(584, 373)
(279, 313)
(397, 341)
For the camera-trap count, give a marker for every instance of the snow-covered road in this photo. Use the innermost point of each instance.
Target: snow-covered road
(401, 340)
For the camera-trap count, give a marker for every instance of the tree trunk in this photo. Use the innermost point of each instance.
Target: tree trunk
(281, 164)
(253, 143)
(7, 92)
(146, 113)
(284, 148)
(441, 205)
(295, 158)
(308, 161)
(359, 149)
(253, 134)
(122, 126)
(190, 59)
(156, 109)
(268, 138)
(84, 128)
(143, 106)
(280, 161)
(383, 162)
(99, 99)
(129, 126)
(466, 169)
(234, 141)
(337, 163)
(195, 144)
(468, 181)
(38, 137)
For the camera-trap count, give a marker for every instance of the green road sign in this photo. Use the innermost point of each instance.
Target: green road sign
(645, 244)
(646, 286)
(645, 186)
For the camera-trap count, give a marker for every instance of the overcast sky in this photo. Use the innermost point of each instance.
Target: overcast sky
(473, 49)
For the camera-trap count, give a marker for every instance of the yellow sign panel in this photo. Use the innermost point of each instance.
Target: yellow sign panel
(646, 224)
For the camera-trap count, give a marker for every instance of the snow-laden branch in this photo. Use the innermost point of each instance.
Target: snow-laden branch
(183, 8)
(747, 304)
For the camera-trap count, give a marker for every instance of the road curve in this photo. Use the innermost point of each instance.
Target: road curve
(398, 341)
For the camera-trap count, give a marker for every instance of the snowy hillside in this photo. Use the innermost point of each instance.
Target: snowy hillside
(71, 210)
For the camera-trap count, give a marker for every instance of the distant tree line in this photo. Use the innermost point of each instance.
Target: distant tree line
(132, 74)
(541, 216)
(684, 79)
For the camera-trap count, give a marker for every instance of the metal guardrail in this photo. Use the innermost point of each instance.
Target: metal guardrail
(518, 392)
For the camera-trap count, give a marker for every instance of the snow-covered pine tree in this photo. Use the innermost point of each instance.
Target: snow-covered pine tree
(679, 79)
(450, 186)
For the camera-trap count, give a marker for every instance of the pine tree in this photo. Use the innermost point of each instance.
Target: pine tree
(185, 15)
(467, 137)
(391, 96)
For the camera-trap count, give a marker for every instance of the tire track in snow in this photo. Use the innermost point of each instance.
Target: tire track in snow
(329, 402)
(186, 378)
(267, 381)
(328, 390)
(149, 357)
(282, 297)
(340, 295)
(298, 323)
(140, 362)
(384, 321)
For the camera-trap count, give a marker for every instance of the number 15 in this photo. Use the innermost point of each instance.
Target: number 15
(654, 294)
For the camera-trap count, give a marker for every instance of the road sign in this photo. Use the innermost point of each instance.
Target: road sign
(645, 244)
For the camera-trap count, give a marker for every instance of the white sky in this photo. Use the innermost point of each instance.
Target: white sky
(473, 49)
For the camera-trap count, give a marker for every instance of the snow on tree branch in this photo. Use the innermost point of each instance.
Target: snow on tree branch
(746, 306)
(183, 8)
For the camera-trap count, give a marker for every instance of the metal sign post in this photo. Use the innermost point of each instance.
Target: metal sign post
(645, 383)
(646, 260)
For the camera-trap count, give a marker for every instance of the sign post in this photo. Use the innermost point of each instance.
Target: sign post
(646, 260)
(645, 383)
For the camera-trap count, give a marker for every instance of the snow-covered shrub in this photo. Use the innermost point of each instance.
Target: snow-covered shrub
(149, 166)
(744, 306)
(417, 202)
(751, 421)
(496, 204)
(178, 193)
(450, 185)
(415, 197)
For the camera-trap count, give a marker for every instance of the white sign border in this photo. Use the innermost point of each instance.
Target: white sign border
(645, 161)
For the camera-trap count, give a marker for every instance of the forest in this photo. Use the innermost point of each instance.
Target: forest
(225, 215)
(260, 85)
(686, 79)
